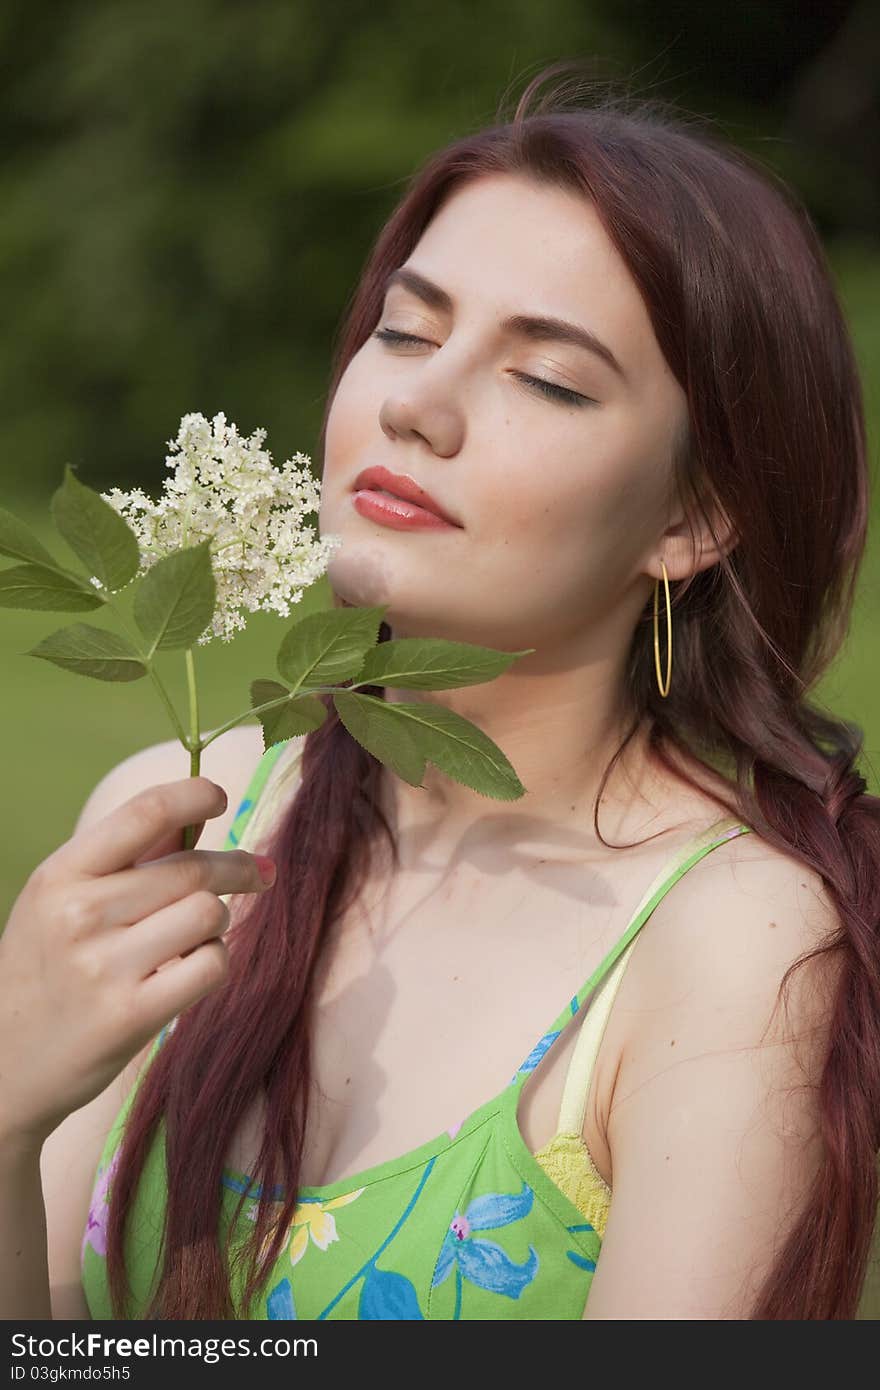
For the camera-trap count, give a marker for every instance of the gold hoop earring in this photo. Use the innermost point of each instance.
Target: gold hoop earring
(663, 692)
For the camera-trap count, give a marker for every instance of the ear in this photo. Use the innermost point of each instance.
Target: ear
(692, 544)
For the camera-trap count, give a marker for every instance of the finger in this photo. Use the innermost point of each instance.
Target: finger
(137, 826)
(170, 932)
(170, 844)
(167, 992)
(131, 895)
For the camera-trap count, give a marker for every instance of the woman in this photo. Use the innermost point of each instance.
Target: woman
(684, 458)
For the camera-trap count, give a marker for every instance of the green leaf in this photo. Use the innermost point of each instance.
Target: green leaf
(175, 600)
(34, 586)
(91, 651)
(432, 663)
(328, 647)
(391, 741)
(298, 715)
(95, 532)
(19, 542)
(404, 736)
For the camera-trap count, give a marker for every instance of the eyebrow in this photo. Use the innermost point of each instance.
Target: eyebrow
(534, 327)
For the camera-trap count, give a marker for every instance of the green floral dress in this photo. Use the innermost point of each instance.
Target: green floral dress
(467, 1225)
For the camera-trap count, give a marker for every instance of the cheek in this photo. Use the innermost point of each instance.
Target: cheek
(575, 525)
(351, 420)
(549, 503)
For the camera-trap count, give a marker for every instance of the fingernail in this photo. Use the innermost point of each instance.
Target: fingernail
(267, 868)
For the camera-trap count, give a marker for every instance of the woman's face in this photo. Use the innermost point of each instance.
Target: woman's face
(562, 502)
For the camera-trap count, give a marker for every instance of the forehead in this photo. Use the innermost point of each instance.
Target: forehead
(507, 244)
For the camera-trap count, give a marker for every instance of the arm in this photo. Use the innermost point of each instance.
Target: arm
(713, 1121)
(45, 1190)
(23, 1271)
(44, 1202)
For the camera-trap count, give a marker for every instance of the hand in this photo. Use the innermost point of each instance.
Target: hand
(112, 936)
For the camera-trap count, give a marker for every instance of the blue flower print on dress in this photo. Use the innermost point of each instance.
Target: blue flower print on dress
(279, 1304)
(387, 1295)
(484, 1262)
(536, 1053)
(582, 1261)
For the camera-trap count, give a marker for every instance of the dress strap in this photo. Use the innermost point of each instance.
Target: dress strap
(264, 791)
(572, 1111)
(674, 869)
(270, 780)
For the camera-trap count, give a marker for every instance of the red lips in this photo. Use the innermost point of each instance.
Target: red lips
(401, 485)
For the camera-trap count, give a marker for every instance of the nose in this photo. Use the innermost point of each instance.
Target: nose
(413, 416)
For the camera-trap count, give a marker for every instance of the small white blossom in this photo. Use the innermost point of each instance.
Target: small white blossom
(225, 489)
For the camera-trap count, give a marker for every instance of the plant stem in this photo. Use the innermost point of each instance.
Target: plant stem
(195, 744)
(273, 704)
(257, 709)
(166, 700)
(153, 673)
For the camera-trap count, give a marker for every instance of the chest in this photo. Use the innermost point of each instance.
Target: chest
(433, 990)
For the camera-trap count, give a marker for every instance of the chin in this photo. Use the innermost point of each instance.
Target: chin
(359, 578)
(362, 577)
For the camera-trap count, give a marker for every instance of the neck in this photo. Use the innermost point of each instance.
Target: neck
(559, 731)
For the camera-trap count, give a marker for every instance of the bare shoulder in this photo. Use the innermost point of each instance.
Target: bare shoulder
(728, 930)
(230, 761)
(715, 954)
(713, 1124)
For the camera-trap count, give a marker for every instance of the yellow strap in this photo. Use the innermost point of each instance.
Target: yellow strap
(586, 1049)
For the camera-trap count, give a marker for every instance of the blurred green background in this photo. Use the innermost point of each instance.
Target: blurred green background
(188, 195)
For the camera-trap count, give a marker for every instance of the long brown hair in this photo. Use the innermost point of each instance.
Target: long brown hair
(744, 309)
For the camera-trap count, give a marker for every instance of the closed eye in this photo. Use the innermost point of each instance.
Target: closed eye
(545, 388)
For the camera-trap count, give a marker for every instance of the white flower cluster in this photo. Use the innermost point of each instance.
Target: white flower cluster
(226, 489)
